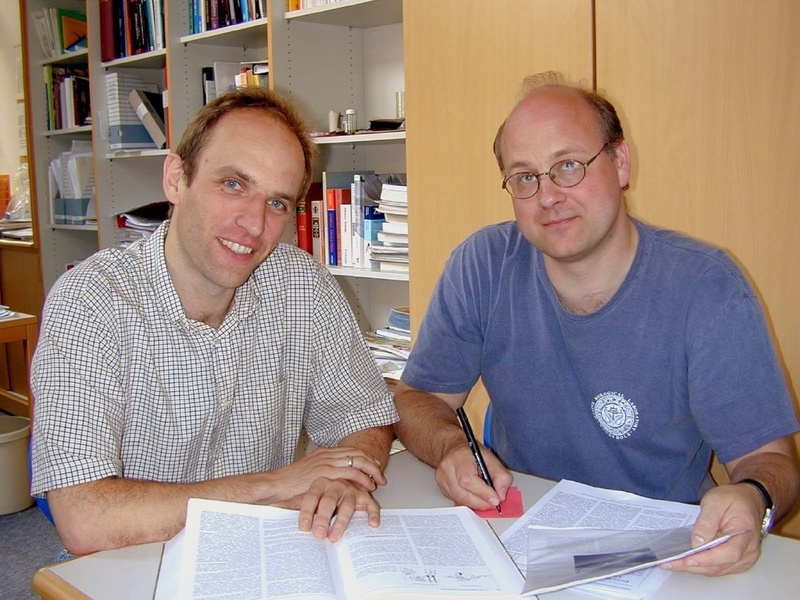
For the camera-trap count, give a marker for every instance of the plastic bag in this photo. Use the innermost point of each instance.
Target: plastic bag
(19, 208)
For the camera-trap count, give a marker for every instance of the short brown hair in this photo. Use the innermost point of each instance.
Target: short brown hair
(607, 118)
(201, 125)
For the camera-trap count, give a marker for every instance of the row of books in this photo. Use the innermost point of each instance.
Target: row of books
(305, 4)
(130, 27)
(222, 76)
(60, 30)
(341, 222)
(207, 15)
(67, 96)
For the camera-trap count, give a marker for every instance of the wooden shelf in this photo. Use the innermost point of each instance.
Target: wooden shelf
(368, 274)
(245, 35)
(361, 138)
(352, 13)
(70, 131)
(81, 57)
(156, 59)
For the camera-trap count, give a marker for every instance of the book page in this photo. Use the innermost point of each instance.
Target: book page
(445, 552)
(242, 550)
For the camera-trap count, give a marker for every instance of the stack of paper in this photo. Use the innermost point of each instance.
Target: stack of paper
(390, 251)
(72, 185)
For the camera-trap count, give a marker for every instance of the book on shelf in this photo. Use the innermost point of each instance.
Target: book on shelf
(125, 129)
(390, 238)
(446, 553)
(318, 227)
(400, 318)
(303, 225)
(67, 96)
(342, 183)
(399, 227)
(149, 107)
(71, 30)
(344, 217)
(207, 15)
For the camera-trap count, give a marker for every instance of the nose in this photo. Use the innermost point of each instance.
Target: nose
(549, 193)
(252, 217)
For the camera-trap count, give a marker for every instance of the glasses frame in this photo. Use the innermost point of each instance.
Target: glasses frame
(549, 173)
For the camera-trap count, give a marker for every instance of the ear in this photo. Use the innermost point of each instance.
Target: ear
(173, 178)
(622, 160)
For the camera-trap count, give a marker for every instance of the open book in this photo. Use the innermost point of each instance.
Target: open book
(231, 550)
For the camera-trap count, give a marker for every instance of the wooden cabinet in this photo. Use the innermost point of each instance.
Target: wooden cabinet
(707, 94)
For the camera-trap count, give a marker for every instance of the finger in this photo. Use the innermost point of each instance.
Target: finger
(308, 506)
(367, 465)
(344, 512)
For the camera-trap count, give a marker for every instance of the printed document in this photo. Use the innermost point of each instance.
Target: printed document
(237, 550)
(578, 534)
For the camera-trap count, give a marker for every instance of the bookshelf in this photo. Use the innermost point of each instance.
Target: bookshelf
(58, 245)
(348, 55)
(345, 55)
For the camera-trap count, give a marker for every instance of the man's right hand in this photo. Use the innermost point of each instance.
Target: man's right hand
(459, 479)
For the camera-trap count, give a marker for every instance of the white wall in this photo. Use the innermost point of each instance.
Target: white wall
(10, 37)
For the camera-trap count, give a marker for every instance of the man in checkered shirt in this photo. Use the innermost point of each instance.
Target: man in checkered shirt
(187, 364)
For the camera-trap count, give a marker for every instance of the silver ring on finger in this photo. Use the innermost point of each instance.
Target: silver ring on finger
(349, 461)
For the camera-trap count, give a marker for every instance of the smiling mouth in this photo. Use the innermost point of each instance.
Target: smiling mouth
(236, 248)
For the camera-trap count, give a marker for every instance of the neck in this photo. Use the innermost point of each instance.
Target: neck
(585, 286)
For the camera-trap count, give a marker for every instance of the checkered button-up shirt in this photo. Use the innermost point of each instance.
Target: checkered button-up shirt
(127, 386)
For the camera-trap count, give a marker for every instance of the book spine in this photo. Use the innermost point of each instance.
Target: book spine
(303, 216)
(345, 234)
(331, 237)
(318, 222)
(106, 30)
(356, 191)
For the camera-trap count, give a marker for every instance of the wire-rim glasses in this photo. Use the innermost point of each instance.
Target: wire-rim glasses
(565, 173)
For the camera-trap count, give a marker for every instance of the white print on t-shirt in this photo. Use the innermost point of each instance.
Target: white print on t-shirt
(617, 415)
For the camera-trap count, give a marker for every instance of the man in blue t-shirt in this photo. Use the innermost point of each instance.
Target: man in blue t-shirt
(614, 353)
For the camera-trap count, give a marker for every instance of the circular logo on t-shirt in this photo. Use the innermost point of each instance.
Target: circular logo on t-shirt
(617, 415)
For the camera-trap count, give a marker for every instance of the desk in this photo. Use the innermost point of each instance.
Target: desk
(19, 328)
(130, 573)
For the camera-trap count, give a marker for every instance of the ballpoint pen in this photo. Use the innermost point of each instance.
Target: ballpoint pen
(476, 450)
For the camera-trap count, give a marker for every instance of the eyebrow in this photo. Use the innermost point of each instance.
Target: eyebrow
(558, 156)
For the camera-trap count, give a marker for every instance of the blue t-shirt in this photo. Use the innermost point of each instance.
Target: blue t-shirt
(633, 397)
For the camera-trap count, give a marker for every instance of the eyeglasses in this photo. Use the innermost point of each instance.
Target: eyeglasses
(565, 174)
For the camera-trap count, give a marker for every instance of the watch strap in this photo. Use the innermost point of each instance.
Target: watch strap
(768, 503)
(769, 512)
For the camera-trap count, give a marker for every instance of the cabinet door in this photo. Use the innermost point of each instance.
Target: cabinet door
(708, 94)
(464, 63)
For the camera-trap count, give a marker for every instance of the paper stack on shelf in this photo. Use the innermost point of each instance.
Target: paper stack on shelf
(390, 251)
(72, 185)
(140, 223)
(390, 346)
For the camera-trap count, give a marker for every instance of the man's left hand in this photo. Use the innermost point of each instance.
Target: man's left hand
(724, 510)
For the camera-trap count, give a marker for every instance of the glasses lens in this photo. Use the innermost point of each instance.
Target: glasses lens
(567, 173)
(523, 185)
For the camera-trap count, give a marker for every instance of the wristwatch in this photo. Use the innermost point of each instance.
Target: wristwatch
(769, 512)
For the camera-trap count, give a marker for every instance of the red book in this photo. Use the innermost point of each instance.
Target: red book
(107, 30)
(304, 239)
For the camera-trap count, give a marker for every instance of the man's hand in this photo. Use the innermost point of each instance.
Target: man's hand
(725, 510)
(343, 462)
(329, 498)
(458, 478)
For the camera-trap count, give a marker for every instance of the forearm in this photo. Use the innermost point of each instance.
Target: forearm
(428, 426)
(776, 468)
(111, 513)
